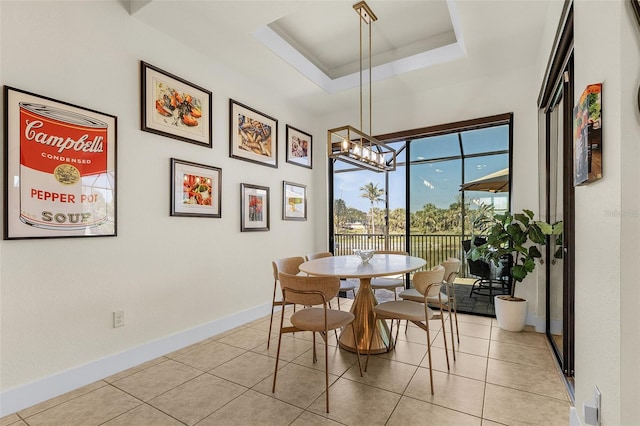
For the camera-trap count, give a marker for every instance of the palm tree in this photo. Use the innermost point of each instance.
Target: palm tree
(374, 195)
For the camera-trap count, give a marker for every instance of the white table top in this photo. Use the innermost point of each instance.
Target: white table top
(352, 267)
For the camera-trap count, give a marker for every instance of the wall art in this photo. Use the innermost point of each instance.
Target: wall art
(294, 201)
(587, 136)
(196, 189)
(173, 107)
(299, 147)
(253, 136)
(60, 168)
(254, 207)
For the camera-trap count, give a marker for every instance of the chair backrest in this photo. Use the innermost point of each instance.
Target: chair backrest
(479, 268)
(319, 255)
(320, 286)
(288, 265)
(451, 269)
(423, 280)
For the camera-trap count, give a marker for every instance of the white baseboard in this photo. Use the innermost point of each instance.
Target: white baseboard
(574, 417)
(540, 324)
(33, 393)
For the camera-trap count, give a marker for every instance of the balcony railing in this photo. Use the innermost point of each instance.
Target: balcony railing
(433, 248)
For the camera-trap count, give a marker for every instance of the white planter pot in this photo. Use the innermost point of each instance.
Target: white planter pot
(511, 315)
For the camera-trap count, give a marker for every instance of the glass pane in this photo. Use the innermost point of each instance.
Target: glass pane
(397, 203)
(480, 167)
(435, 147)
(435, 183)
(358, 206)
(485, 140)
(436, 216)
(556, 269)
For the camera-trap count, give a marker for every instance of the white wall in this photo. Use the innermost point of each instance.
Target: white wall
(607, 50)
(169, 274)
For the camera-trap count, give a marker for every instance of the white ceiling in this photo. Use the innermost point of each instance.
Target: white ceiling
(308, 51)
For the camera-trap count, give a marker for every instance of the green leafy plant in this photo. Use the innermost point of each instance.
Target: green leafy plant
(518, 236)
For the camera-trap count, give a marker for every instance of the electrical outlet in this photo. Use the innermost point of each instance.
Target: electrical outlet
(118, 319)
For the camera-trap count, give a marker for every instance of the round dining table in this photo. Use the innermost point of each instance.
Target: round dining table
(362, 307)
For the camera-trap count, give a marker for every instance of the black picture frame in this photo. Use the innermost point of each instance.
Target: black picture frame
(253, 135)
(294, 201)
(299, 147)
(173, 107)
(255, 208)
(58, 189)
(196, 189)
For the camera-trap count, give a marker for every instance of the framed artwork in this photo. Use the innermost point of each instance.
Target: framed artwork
(254, 208)
(60, 168)
(587, 136)
(299, 147)
(253, 136)
(196, 189)
(175, 108)
(294, 201)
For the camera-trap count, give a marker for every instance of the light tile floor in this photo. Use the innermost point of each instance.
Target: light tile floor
(499, 377)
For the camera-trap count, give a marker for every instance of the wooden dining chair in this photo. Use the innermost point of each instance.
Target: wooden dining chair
(345, 285)
(427, 283)
(443, 301)
(311, 292)
(288, 265)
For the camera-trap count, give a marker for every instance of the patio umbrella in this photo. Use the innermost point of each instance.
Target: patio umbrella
(494, 182)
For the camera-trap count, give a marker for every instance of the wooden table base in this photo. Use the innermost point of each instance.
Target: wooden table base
(362, 308)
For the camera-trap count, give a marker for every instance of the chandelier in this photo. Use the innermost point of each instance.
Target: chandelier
(354, 146)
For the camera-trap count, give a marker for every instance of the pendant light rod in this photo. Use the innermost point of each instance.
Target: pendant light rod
(352, 145)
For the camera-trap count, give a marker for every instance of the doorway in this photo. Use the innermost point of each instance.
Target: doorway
(557, 198)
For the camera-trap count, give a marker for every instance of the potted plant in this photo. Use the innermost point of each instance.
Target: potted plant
(517, 237)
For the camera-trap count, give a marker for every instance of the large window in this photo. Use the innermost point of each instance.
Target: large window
(447, 176)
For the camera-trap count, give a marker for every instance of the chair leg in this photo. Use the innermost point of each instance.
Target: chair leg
(373, 331)
(273, 305)
(453, 344)
(353, 329)
(429, 355)
(326, 370)
(444, 337)
(315, 355)
(455, 314)
(275, 372)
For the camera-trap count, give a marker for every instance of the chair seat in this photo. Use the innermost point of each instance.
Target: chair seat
(347, 285)
(412, 294)
(402, 309)
(386, 283)
(415, 296)
(312, 319)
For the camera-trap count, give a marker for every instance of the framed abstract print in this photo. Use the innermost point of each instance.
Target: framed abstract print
(253, 136)
(299, 147)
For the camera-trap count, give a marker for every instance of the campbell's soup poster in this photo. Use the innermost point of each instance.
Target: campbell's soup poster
(61, 169)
